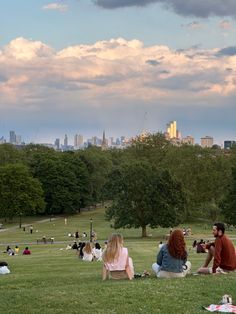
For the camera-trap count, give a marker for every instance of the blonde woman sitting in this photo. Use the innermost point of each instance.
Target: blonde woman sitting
(117, 263)
(87, 252)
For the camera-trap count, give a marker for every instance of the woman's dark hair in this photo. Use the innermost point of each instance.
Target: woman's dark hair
(176, 245)
(97, 246)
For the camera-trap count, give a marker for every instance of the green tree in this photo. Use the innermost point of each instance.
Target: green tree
(9, 154)
(20, 193)
(228, 205)
(99, 165)
(144, 196)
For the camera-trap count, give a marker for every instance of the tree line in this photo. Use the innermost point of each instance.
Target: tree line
(151, 183)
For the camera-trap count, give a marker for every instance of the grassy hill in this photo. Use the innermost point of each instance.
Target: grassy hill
(55, 280)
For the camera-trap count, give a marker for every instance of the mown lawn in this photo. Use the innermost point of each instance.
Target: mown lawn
(52, 280)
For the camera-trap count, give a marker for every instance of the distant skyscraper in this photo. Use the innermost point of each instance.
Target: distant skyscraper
(57, 143)
(229, 144)
(171, 129)
(18, 139)
(104, 141)
(207, 141)
(2, 140)
(78, 140)
(188, 140)
(12, 137)
(66, 140)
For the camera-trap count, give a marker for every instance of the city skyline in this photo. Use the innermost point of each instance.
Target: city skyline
(85, 66)
(78, 140)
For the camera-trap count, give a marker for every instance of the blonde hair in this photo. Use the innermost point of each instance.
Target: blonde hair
(87, 248)
(115, 243)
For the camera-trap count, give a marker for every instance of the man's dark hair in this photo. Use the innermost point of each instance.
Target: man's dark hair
(220, 226)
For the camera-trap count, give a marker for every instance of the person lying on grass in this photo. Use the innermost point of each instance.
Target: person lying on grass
(117, 263)
(172, 258)
(222, 252)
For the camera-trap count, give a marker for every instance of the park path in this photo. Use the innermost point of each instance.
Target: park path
(27, 225)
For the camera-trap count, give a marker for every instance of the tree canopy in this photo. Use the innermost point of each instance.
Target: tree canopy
(145, 196)
(20, 193)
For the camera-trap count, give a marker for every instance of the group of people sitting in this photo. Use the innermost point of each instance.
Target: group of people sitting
(87, 251)
(15, 251)
(172, 257)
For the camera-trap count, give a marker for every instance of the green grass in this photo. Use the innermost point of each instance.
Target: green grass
(56, 281)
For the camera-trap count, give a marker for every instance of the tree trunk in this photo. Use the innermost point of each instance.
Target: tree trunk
(144, 232)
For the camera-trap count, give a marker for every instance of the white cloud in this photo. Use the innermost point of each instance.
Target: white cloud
(108, 72)
(193, 25)
(55, 6)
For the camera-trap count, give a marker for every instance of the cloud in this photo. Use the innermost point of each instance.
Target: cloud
(198, 8)
(55, 6)
(225, 25)
(228, 51)
(193, 25)
(153, 62)
(98, 82)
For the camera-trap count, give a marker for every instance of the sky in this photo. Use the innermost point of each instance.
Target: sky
(119, 66)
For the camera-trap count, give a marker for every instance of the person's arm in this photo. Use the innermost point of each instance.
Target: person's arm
(160, 256)
(104, 272)
(128, 269)
(217, 255)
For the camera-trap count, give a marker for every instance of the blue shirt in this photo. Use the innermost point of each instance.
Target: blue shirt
(169, 263)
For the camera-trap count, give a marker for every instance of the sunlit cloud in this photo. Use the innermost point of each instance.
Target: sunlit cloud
(55, 6)
(225, 25)
(35, 76)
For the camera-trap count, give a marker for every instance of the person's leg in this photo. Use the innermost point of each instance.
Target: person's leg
(155, 268)
(187, 268)
(167, 274)
(130, 269)
(210, 255)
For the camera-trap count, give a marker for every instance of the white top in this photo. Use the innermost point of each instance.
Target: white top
(88, 257)
(97, 254)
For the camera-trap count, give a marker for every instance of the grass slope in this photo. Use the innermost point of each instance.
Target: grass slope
(56, 281)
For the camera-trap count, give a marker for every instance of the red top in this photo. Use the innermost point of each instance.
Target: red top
(26, 252)
(225, 256)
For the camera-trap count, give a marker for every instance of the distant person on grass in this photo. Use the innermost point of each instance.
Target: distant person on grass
(87, 252)
(26, 251)
(117, 263)
(172, 258)
(222, 252)
(97, 252)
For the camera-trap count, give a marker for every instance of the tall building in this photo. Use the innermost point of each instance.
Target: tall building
(57, 143)
(188, 140)
(104, 141)
(2, 140)
(65, 140)
(171, 129)
(229, 144)
(78, 141)
(18, 139)
(12, 137)
(207, 141)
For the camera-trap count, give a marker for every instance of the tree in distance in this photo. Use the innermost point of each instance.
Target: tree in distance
(20, 193)
(228, 205)
(144, 196)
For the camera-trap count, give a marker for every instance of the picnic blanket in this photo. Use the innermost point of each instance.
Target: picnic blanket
(224, 308)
